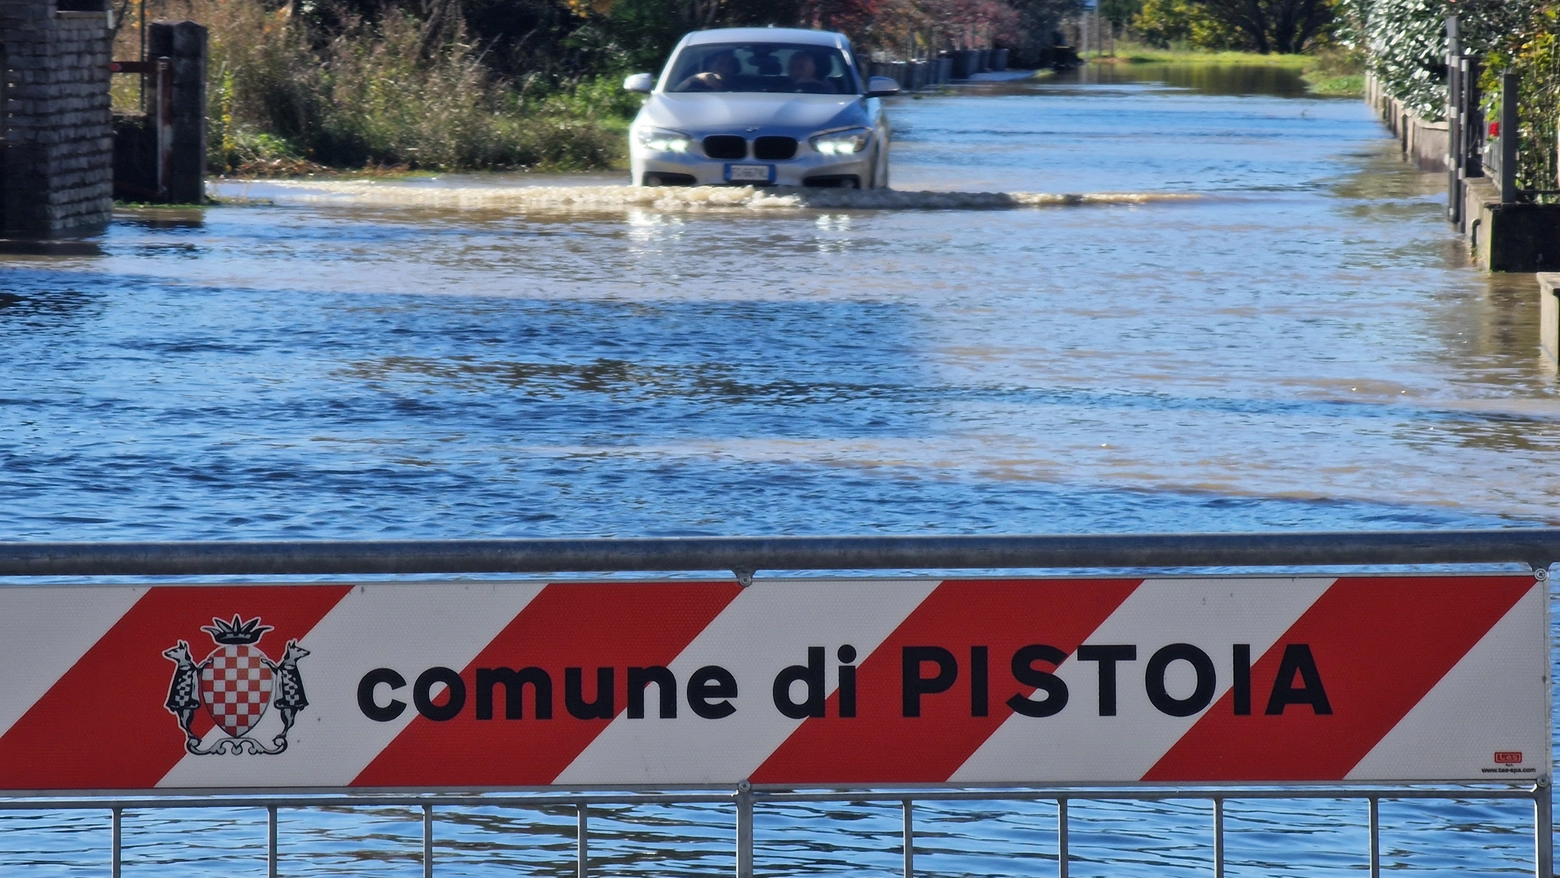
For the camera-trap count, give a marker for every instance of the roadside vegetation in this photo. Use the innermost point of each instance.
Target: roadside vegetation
(1404, 42)
(287, 95)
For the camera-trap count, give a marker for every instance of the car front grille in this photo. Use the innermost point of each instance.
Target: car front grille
(725, 146)
(774, 148)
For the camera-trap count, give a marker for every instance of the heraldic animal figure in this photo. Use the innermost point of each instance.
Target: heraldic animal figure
(184, 691)
(289, 697)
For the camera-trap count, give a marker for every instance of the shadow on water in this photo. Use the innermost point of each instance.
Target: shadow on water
(33, 309)
(162, 218)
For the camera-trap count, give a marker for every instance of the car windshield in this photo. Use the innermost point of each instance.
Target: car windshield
(762, 67)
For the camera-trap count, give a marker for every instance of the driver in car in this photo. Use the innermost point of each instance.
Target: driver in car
(720, 71)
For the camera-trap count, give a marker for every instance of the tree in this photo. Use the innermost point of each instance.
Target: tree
(1119, 12)
(850, 17)
(1038, 21)
(1165, 22)
(1286, 26)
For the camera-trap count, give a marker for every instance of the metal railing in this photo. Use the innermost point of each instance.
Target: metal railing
(1474, 149)
(1535, 547)
(744, 799)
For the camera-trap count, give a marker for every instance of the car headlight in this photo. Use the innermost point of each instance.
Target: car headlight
(664, 140)
(847, 142)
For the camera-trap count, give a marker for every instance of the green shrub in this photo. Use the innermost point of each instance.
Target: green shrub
(1406, 43)
(1532, 51)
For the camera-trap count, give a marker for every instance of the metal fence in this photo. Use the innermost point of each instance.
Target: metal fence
(1534, 547)
(1476, 146)
(744, 800)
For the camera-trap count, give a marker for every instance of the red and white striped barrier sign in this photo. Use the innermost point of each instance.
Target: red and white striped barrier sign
(812, 682)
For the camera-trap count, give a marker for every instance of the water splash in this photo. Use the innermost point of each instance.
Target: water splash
(589, 198)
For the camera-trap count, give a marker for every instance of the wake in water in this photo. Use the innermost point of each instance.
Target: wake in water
(677, 198)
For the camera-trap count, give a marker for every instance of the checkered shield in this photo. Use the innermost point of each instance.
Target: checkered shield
(236, 686)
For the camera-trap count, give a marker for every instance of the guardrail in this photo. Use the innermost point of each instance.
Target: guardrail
(1535, 547)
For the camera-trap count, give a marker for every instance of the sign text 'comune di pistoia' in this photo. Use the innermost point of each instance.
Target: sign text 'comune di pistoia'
(465, 685)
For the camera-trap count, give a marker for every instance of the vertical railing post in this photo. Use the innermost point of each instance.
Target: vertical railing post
(141, 25)
(1218, 837)
(581, 840)
(1061, 838)
(744, 830)
(1510, 134)
(1543, 829)
(909, 810)
(164, 126)
(427, 841)
(1454, 123)
(1474, 129)
(1375, 837)
(116, 833)
(272, 866)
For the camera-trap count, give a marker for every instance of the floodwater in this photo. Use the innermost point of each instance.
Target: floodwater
(1257, 320)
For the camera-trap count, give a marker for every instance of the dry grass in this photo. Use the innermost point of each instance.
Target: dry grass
(284, 99)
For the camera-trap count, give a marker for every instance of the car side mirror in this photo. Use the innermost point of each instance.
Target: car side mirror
(639, 82)
(882, 87)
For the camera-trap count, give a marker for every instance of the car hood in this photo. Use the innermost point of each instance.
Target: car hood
(707, 112)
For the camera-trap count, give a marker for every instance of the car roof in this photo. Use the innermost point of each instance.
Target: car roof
(766, 35)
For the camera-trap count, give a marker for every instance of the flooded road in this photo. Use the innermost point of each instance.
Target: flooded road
(1298, 344)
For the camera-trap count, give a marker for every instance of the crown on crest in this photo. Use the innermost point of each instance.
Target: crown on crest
(237, 631)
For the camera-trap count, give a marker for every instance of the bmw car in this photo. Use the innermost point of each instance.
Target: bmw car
(759, 107)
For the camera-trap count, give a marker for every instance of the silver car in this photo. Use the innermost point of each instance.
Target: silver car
(761, 106)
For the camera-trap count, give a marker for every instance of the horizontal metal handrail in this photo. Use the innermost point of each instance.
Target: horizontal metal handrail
(1516, 790)
(412, 800)
(1121, 794)
(1536, 547)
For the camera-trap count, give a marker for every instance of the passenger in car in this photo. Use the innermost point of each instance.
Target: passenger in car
(803, 72)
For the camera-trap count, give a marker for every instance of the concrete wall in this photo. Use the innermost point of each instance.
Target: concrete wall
(1510, 237)
(56, 150)
(1426, 144)
(1549, 316)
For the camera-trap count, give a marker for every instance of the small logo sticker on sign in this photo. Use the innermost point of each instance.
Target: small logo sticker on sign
(1508, 757)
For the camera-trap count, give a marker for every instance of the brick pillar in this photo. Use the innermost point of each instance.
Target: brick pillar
(56, 173)
(185, 43)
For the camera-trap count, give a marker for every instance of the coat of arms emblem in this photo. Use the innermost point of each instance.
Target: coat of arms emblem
(236, 684)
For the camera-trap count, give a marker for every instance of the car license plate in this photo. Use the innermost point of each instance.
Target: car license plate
(750, 173)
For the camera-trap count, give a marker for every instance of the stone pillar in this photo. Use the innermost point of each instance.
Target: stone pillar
(56, 172)
(184, 42)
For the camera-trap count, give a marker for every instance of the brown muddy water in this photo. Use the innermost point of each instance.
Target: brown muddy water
(1259, 320)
